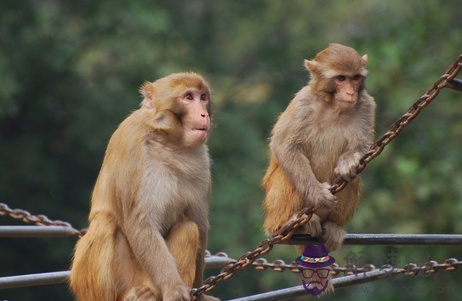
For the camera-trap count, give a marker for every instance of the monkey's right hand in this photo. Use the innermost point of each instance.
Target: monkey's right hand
(323, 197)
(178, 293)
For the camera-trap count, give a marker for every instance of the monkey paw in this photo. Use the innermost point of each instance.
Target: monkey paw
(333, 236)
(313, 227)
(324, 199)
(347, 166)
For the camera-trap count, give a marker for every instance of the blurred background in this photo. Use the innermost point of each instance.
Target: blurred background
(70, 73)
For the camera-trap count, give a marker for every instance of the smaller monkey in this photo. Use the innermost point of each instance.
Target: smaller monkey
(322, 134)
(149, 208)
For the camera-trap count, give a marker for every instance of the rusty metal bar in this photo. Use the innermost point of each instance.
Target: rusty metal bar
(454, 84)
(387, 239)
(61, 277)
(34, 279)
(339, 282)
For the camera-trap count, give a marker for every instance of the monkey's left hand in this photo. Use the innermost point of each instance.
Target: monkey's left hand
(347, 165)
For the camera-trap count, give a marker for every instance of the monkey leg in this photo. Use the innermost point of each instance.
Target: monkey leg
(320, 281)
(183, 243)
(102, 268)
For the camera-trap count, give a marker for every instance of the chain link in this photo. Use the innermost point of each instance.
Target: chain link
(247, 260)
(410, 269)
(376, 148)
(39, 220)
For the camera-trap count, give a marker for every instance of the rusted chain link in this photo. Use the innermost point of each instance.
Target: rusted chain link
(39, 220)
(376, 148)
(410, 269)
(339, 183)
(248, 258)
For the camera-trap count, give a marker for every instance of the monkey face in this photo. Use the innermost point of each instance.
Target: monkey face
(180, 107)
(196, 119)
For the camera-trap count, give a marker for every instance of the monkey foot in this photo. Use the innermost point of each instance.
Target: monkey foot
(333, 236)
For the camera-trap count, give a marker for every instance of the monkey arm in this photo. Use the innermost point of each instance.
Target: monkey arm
(151, 252)
(287, 146)
(349, 161)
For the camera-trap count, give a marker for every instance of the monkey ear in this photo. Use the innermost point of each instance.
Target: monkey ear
(364, 59)
(313, 67)
(147, 90)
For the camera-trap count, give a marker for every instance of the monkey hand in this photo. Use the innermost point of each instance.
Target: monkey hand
(347, 166)
(323, 199)
(313, 227)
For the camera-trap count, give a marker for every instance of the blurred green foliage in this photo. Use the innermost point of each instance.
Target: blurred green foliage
(70, 72)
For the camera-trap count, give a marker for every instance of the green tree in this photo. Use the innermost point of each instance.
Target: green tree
(70, 72)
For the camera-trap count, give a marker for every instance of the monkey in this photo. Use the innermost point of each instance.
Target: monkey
(148, 221)
(325, 130)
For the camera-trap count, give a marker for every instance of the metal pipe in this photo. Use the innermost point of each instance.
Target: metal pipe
(34, 279)
(61, 277)
(455, 84)
(36, 231)
(339, 282)
(387, 239)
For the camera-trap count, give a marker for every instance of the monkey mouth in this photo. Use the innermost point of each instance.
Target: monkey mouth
(348, 103)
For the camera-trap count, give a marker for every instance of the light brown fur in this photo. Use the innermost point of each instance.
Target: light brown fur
(149, 213)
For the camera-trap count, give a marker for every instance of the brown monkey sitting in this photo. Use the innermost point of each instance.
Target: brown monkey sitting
(322, 134)
(149, 210)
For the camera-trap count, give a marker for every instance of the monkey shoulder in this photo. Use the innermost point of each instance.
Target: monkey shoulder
(300, 111)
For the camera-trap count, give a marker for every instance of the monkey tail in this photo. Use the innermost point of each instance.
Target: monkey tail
(318, 281)
(91, 272)
(281, 200)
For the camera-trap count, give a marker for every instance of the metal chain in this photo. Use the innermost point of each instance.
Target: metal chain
(410, 269)
(39, 220)
(246, 260)
(376, 148)
(339, 183)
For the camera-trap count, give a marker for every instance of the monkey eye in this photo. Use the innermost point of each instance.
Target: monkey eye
(204, 96)
(341, 78)
(357, 77)
(189, 96)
